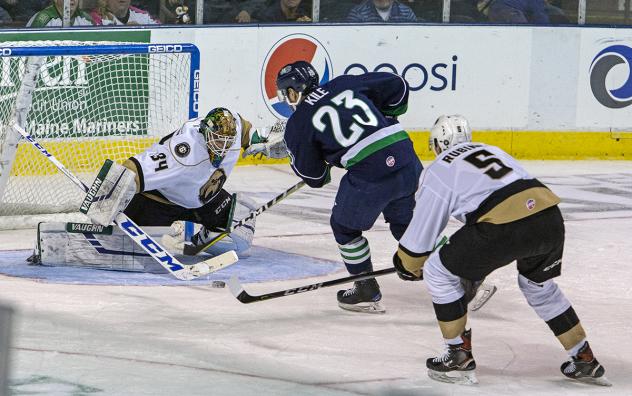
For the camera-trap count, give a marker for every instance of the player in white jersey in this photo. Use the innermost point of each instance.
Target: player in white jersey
(508, 215)
(181, 178)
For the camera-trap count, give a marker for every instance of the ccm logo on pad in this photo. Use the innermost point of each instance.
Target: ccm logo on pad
(165, 48)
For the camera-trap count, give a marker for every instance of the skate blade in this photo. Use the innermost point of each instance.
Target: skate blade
(484, 294)
(454, 377)
(373, 307)
(601, 381)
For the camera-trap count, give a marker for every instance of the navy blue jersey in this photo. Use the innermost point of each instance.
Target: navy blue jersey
(350, 123)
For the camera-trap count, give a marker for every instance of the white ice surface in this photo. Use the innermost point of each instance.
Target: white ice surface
(196, 340)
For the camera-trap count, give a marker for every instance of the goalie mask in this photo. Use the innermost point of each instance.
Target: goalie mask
(301, 77)
(449, 131)
(220, 131)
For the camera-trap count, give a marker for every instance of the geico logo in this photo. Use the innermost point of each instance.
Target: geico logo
(165, 48)
(196, 101)
(6, 51)
(437, 77)
(196, 91)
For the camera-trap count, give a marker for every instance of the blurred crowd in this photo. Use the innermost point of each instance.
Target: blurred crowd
(48, 13)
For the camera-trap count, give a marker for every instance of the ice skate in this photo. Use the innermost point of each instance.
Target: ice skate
(456, 365)
(364, 296)
(585, 368)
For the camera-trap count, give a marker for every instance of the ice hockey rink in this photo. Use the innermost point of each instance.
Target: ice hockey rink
(125, 338)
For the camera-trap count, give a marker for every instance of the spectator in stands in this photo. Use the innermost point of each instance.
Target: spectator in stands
(151, 6)
(465, 11)
(285, 11)
(120, 12)
(230, 11)
(381, 11)
(555, 13)
(22, 10)
(52, 16)
(335, 10)
(5, 17)
(515, 11)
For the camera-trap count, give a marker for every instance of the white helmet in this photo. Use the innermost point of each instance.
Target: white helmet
(448, 131)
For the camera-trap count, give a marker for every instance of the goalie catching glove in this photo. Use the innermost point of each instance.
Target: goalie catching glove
(110, 193)
(269, 143)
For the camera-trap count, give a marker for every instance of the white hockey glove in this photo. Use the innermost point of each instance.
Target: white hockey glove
(112, 190)
(268, 142)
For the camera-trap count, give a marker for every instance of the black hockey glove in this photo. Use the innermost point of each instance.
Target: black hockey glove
(402, 272)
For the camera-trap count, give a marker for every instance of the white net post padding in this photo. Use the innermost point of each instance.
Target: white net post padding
(84, 102)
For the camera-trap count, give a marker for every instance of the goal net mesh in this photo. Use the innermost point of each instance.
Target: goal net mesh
(83, 108)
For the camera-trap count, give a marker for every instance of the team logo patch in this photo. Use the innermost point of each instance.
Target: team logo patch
(182, 149)
(213, 185)
(530, 203)
(289, 49)
(390, 161)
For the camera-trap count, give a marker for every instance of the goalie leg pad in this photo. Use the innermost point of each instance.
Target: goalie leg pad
(110, 193)
(92, 246)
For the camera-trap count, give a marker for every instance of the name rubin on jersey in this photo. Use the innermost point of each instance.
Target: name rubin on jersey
(452, 155)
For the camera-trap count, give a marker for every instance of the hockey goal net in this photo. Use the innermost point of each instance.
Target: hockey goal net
(84, 102)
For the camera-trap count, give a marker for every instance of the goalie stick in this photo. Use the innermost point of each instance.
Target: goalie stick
(192, 250)
(142, 239)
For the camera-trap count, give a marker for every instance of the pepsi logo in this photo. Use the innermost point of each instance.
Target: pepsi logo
(390, 161)
(289, 49)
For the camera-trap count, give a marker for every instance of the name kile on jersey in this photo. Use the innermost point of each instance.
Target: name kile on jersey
(315, 96)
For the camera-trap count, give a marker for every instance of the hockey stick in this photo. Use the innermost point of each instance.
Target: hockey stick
(192, 250)
(238, 291)
(485, 292)
(142, 239)
(483, 295)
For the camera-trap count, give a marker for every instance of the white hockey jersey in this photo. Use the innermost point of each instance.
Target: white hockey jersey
(458, 183)
(180, 169)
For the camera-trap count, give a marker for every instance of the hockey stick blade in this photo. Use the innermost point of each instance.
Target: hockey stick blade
(192, 250)
(215, 264)
(242, 295)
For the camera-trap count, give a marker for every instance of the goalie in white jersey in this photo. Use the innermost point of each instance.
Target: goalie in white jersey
(181, 178)
(508, 215)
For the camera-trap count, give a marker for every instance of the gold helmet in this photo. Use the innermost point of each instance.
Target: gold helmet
(219, 128)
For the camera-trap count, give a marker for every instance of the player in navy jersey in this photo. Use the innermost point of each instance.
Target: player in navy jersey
(351, 122)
